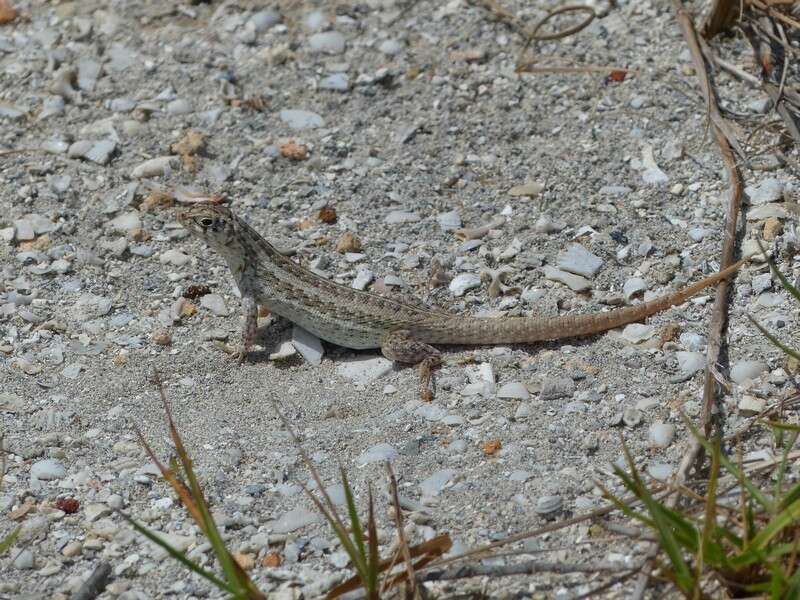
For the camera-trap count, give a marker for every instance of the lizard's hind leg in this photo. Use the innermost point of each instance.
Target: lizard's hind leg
(400, 346)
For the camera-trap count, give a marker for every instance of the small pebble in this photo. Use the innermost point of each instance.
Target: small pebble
(364, 370)
(690, 362)
(463, 282)
(548, 504)
(378, 453)
(308, 345)
(573, 282)
(216, 304)
(514, 390)
(328, 42)
(337, 82)
(433, 485)
(743, 370)
(301, 119)
(48, 469)
(578, 260)
(661, 434)
(24, 560)
(769, 190)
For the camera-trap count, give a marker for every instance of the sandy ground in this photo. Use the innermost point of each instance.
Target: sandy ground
(419, 125)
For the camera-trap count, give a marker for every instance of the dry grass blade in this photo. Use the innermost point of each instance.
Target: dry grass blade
(401, 535)
(426, 552)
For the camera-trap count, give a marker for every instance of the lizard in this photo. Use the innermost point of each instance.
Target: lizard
(404, 331)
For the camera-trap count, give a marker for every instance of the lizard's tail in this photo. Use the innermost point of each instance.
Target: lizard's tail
(520, 330)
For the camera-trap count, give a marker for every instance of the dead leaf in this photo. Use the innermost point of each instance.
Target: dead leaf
(491, 447)
(327, 215)
(7, 12)
(294, 150)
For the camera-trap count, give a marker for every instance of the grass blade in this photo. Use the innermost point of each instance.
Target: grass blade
(730, 467)
(777, 272)
(775, 341)
(9, 540)
(355, 522)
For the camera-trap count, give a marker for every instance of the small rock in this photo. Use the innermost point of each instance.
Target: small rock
(463, 282)
(661, 434)
(751, 405)
(692, 341)
(308, 345)
(364, 370)
(301, 119)
(337, 82)
(264, 19)
(766, 211)
(174, 257)
(577, 259)
(690, 362)
(548, 504)
(635, 333)
(634, 286)
(573, 282)
(328, 42)
(293, 520)
(743, 370)
(659, 471)
(154, 167)
(24, 560)
(72, 549)
(397, 217)
(284, 351)
(378, 453)
(449, 221)
(531, 189)
(179, 106)
(769, 190)
(546, 224)
(555, 388)
(772, 229)
(215, 303)
(11, 112)
(100, 152)
(631, 417)
(24, 230)
(514, 390)
(434, 484)
(390, 47)
(48, 470)
(697, 234)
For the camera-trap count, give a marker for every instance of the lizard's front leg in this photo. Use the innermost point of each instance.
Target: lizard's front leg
(401, 347)
(249, 327)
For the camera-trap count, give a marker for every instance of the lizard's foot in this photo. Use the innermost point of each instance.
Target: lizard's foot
(400, 346)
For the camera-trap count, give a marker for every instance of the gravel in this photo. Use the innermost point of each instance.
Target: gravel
(424, 149)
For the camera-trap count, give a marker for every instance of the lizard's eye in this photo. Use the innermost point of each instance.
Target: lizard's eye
(206, 222)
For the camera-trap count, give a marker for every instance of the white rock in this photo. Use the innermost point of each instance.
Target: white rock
(690, 362)
(697, 234)
(180, 542)
(531, 189)
(294, 519)
(769, 190)
(636, 333)
(308, 345)
(449, 221)
(573, 282)
(24, 560)
(179, 106)
(652, 174)
(215, 303)
(751, 405)
(174, 257)
(391, 47)
(154, 167)
(126, 222)
(660, 471)
(634, 286)
(362, 279)
(463, 282)
(48, 469)
(284, 351)
(692, 341)
(661, 434)
(577, 259)
(378, 453)
(546, 224)
(434, 484)
(301, 119)
(328, 42)
(765, 211)
(364, 370)
(24, 230)
(337, 82)
(514, 390)
(743, 370)
(397, 217)
(430, 412)
(101, 152)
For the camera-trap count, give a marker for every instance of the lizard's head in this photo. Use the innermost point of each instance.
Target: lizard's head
(212, 223)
